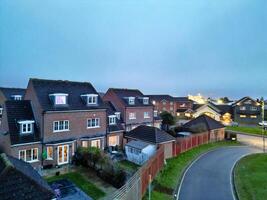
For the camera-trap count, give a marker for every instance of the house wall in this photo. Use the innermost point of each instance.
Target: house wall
(120, 134)
(206, 109)
(245, 116)
(217, 135)
(184, 104)
(164, 105)
(77, 125)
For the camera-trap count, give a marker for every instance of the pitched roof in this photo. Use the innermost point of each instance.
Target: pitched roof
(124, 93)
(224, 108)
(243, 99)
(149, 134)
(18, 111)
(160, 97)
(181, 99)
(74, 90)
(18, 180)
(137, 144)
(201, 124)
(8, 92)
(111, 110)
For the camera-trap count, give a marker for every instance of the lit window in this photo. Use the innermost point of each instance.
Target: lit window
(243, 116)
(59, 126)
(182, 105)
(49, 151)
(93, 123)
(113, 140)
(131, 100)
(146, 115)
(112, 119)
(96, 143)
(145, 100)
(253, 116)
(17, 97)
(242, 108)
(26, 126)
(29, 155)
(132, 115)
(84, 143)
(178, 114)
(59, 98)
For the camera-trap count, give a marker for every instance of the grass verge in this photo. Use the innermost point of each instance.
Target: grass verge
(128, 166)
(249, 130)
(250, 177)
(168, 179)
(86, 186)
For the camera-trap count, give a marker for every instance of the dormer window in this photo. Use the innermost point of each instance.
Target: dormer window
(131, 100)
(112, 119)
(145, 100)
(59, 98)
(26, 127)
(17, 97)
(91, 99)
(118, 115)
(1, 111)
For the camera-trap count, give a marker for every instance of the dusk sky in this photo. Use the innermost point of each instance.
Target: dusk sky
(213, 47)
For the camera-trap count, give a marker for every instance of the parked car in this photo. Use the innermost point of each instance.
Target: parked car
(231, 124)
(263, 123)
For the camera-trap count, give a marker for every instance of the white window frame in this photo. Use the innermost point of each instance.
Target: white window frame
(253, 108)
(32, 153)
(59, 95)
(85, 143)
(146, 100)
(89, 97)
(47, 156)
(132, 115)
(112, 119)
(28, 124)
(1, 111)
(65, 122)
(17, 97)
(146, 115)
(97, 125)
(131, 100)
(93, 143)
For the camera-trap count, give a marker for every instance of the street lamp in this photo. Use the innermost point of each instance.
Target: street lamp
(263, 125)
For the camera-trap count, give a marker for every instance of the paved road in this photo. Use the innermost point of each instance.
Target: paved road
(252, 140)
(209, 178)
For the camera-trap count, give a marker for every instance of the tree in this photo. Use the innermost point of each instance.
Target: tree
(167, 120)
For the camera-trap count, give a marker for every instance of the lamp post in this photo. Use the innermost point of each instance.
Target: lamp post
(263, 125)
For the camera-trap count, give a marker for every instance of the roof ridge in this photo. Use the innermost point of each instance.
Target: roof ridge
(59, 80)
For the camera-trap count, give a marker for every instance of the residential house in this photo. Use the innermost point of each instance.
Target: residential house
(136, 109)
(184, 107)
(19, 133)
(139, 152)
(115, 129)
(9, 94)
(152, 135)
(18, 180)
(205, 123)
(163, 103)
(226, 111)
(208, 109)
(68, 114)
(247, 111)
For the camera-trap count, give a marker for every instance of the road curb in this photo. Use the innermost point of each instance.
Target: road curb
(178, 188)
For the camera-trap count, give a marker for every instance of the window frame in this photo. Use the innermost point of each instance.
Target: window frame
(95, 126)
(132, 117)
(146, 100)
(112, 119)
(29, 127)
(146, 115)
(47, 155)
(131, 100)
(32, 155)
(64, 126)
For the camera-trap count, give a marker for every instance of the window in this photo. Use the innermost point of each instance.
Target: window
(155, 113)
(113, 140)
(171, 103)
(49, 151)
(112, 119)
(253, 116)
(92, 99)
(132, 115)
(164, 102)
(146, 115)
(145, 100)
(84, 143)
(29, 155)
(96, 143)
(242, 108)
(131, 100)
(243, 116)
(1, 111)
(17, 97)
(59, 126)
(26, 126)
(118, 115)
(93, 123)
(134, 151)
(59, 98)
(182, 105)
(253, 108)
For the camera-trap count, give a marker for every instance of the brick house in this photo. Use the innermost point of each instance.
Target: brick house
(163, 103)
(247, 111)
(9, 94)
(183, 107)
(68, 115)
(135, 108)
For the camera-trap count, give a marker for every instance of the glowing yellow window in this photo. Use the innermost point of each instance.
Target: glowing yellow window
(253, 116)
(243, 116)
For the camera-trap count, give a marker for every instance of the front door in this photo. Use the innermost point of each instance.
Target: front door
(63, 154)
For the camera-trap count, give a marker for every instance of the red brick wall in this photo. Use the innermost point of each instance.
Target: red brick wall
(77, 124)
(160, 106)
(139, 115)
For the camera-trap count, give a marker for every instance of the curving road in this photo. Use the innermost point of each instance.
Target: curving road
(209, 177)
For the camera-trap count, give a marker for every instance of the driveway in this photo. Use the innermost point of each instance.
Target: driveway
(252, 140)
(209, 177)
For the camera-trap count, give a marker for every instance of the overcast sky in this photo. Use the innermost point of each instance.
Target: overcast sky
(217, 48)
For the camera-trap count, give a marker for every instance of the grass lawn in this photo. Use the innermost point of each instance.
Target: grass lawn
(81, 182)
(168, 179)
(251, 177)
(127, 165)
(249, 130)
